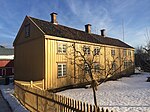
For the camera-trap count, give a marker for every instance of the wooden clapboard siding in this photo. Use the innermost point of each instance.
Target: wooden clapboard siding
(52, 58)
(29, 54)
(36, 56)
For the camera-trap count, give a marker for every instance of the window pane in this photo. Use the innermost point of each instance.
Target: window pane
(64, 48)
(96, 51)
(59, 48)
(60, 73)
(129, 53)
(64, 69)
(124, 52)
(86, 49)
(125, 64)
(112, 52)
(59, 70)
(59, 66)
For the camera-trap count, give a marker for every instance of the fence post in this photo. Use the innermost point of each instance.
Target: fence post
(75, 102)
(102, 109)
(31, 84)
(90, 108)
(95, 108)
(68, 104)
(72, 103)
(87, 107)
(43, 84)
(78, 105)
(37, 102)
(83, 106)
(107, 110)
(98, 109)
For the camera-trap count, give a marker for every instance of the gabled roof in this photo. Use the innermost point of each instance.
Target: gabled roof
(70, 33)
(6, 51)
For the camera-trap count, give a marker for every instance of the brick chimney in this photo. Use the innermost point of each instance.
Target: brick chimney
(88, 28)
(103, 32)
(54, 18)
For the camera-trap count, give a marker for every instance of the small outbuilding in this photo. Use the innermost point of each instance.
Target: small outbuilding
(6, 61)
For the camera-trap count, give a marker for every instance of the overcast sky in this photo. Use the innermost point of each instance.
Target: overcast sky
(113, 15)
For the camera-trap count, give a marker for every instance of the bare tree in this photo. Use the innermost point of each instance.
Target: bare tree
(87, 62)
(147, 47)
(142, 53)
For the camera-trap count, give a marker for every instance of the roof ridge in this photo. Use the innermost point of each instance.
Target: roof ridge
(73, 28)
(71, 33)
(57, 24)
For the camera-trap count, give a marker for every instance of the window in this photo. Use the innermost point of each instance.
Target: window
(27, 30)
(62, 48)
(86, 68)
(86, 49)
(96, 67)
(125, 64)
(3, 71)
(124, 52)
(96, 51)
(130, 63)
(61, 69)
(129, 53)
(12, 70)
(112, 52)
(113, 66)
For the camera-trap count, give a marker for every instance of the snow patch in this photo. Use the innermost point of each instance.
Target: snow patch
(128, 94)
(8, 94)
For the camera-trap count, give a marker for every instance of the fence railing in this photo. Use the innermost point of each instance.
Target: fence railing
(37, 100)
(35, 84)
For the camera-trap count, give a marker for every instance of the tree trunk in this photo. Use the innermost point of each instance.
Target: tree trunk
(94, 94)
(93, 85)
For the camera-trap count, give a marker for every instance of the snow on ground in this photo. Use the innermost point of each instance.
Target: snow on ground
(8, 93)
(128, 94)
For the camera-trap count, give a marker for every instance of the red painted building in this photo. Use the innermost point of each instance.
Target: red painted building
(6, 61)
(6, 67)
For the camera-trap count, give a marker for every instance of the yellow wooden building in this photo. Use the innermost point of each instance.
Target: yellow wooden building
(40, 50)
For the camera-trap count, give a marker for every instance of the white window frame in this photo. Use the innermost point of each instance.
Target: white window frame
(112, 52)
(62, 48)
(96, 50)
(86, 50)
(63, 69)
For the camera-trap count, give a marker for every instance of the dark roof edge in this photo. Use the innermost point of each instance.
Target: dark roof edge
(127, 46)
